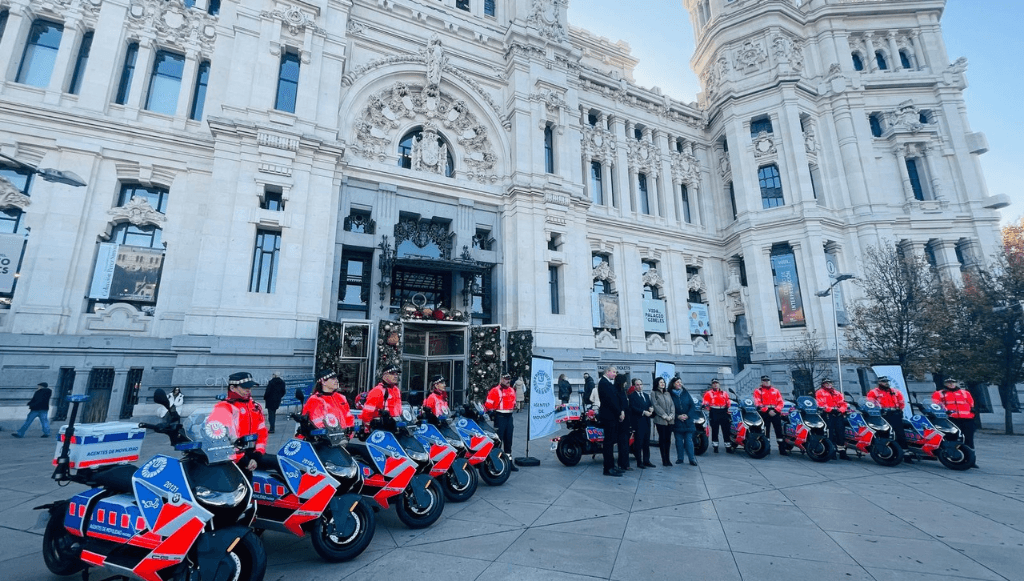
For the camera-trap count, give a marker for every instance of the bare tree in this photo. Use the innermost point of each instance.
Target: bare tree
(811, 361)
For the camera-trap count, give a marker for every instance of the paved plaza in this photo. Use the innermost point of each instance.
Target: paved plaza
(730, 518)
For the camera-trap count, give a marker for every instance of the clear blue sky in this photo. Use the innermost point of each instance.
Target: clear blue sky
(987, 32)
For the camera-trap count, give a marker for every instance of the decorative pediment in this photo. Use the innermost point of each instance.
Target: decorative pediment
(423, 233)
(546, 18)
(750, 56)
(685, 166)
(173, 23)
(598, 144)
(764, 144)
(656, 343)
(295, 19)
(653, 278)
(905, 118)
(724, 165)
(695, 282)
(138, 212)
(700, 345)
(119, 318)
(604, 340)
(604, 272)
(643, 157)
(11, 196)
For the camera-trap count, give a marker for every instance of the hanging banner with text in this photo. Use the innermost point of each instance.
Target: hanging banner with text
(130, 273)
(787, 288)
(832, 265)
(897, 382)
(10, 254)
(700, 319)
(542, 398)
(665, 371)
(654, 316)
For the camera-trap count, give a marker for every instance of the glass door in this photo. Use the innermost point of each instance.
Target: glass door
(433, 352)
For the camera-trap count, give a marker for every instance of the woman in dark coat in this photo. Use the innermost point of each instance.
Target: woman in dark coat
(623, 434)
(683, 427)
(564, 388)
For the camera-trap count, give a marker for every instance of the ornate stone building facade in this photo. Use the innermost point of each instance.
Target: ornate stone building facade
(351, 181)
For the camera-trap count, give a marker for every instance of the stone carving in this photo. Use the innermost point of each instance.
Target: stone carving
(422, 233)
(375, 129)
(788, 50)
(429, 153)
(643, 157)
(695, 282)
(138, 212)
(435, 61)
(734, 294)
(604, 272)
(89, 9)
(724, 165)
(656, 343)
(11, 196)
(119, 317)
(906, 117)
(173, 23)
(356, 27)
(605, 340)
(834, 71)
(810, 140)
(685, 167)
(546, 17)
(959, 66)
(553, 101)
(653, 278)
(598, 144)
(294, 18)
(700, 345)
(764, 144)
(750, 56)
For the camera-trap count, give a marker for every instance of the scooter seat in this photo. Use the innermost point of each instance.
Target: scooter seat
(118, 478)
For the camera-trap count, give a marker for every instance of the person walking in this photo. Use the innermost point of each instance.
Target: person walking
(38, 407)
(641, 408)
(589, 387)
(501, 400)
(664, 417)
(959, 404)
(176, 399)
(891, 401)
(564, 389)
(520, 386)
(685, 412)
(717, 401)
(272, 397)
(834, 406)
(769, 405)
(611, 415)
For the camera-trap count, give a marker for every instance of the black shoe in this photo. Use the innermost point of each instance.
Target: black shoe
(730, 450)
(716, 449)
(973, 466)
(693, 462)
(45, 436)
(16, 435)
(670, 463)
(626, 469)
(513, 467)
(844, 456)
(908, 460)
(614, 473)
(649, 465)
(270, 431)
(783, 451)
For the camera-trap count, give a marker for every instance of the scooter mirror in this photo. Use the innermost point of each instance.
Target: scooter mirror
(731, 391)
(160, 397)
(299, 395)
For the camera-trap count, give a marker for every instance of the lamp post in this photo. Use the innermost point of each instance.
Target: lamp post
(48, 174)
(835, 321)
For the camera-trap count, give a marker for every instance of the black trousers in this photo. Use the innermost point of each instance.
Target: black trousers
(623, 444)
(895, 419)
(503, 425)
(720, 421)
(611, 437)
(836, 428)
(642, 441)
(966, 426)
(271, 418)
(664, 442)
(772, 423)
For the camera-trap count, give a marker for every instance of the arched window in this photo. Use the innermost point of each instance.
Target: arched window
(876, 124)
(880, 61)
(405, 151)
(858, 63)
(771, 186)
(549, 149)
(645, 199)
(905, 60)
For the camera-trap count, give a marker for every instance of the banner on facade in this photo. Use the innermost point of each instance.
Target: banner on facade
(700, 319)
(832, 266)
(897, 382)
(604, 310)
(787, 288)
(128, 273)
(10, 255)
(654, 316)
(664, 370)
(542, 397)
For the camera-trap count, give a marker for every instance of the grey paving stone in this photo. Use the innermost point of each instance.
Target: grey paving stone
(511, 572)
(784, 541)
(868, 521)
(741, 511)
(486, 547)
(611, 527)
(544, 549)
(420, 563)
(646, 561)
(912, 555)
(652, 527)
(768, 567)
(1006, 559)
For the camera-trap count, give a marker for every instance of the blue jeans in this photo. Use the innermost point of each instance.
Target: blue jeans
(44, 419)
(684, 442)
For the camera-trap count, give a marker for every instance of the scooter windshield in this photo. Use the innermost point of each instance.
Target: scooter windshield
(216, 438)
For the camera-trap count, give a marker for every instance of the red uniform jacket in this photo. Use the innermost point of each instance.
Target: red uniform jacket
(830, 399)
(328, 410)
(768, 397)
(242, 417)
(886, 399)
(375, 401)
(437, 404)
(716, 398)
(958, 403)
(501, 399)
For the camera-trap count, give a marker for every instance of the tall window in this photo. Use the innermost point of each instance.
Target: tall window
(165, 83)
(549, 149)
(127, 72)
(880, 61)
(40, 53)
(645, 199)
(915, 179)
(732, 200)
(199, 93)
(3, 23)
(287, 82)
(905, 60)
(80, 63)
(145, 236)
(815, 180)
(759, 125)
(596, 187)
(858, 63)
(462, 5)
(213, 7)
(685, 201)
(876, 124)
(489, 8)
(264, 262)
(354, 290)
(553, 288)
(771, 186)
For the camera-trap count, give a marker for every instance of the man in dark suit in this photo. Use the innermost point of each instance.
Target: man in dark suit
(611, 414)
(640, 411)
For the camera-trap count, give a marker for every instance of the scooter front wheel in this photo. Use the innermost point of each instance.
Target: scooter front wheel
(247, 561)
(961, 459)
(61, 551)
(452, 491)
(756, 446)
(495, 474)
(821, 450)
(418, 517)
(887, 454)
(568, 452)
(336, 548)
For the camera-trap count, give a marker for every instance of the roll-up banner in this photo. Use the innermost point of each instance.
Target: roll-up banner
(897, 382)
(542, 398)
(664, 370)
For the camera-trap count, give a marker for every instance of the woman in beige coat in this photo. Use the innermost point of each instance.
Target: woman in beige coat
(664, 417)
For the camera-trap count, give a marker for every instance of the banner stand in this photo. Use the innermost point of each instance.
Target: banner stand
(542, 404)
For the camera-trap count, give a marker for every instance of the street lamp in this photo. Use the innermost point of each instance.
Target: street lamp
(56, 176)
(835, 322)
(1008, 307)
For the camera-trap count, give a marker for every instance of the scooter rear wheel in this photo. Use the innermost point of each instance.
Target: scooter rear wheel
(569, 452)
(888, 454)
(700, 443)
(756, 446)
(248, 558)
(61, 550)
(336, 549)
(965, 461)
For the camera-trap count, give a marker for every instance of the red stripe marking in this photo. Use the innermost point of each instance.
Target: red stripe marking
(81, 511)
(93, 558)
(101, 515)
(106, 461)
(280, 490)
(71, 509)
(112, 521)
(140, 523)
(125, 521)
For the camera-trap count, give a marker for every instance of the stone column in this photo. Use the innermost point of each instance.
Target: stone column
(622, 177)
(894, 51)
(188, 82)
(901, 161)
(850, 153)
(13, 36)
(919, 55)
(871, 65)
(65, 56)
(928, 152)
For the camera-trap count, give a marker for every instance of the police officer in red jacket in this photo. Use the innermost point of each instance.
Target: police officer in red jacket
(959, 405)
(384, 396)
(833, 406)
(501, 402)
(327, 406)
(437, 402)
(769, 404)
(717, 402)
(243, 417)
(891, 401)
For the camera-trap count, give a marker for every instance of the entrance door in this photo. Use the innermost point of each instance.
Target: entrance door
(429, 353)
(101, 382)
(130, 396)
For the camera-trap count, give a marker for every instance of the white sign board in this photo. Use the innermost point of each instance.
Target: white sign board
(654, 316)
(542, 398)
